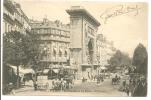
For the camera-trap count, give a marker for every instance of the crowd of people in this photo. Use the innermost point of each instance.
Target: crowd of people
(134, 86)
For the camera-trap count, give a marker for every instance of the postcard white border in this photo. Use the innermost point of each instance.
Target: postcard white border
(87, 98)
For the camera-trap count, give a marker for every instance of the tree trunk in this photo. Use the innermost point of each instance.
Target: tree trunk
(18, 82)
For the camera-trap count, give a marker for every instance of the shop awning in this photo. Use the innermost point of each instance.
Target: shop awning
(45, 71)
(22, 71)
(68, 67)
(28, 71)
(56, 70)
(103, 68)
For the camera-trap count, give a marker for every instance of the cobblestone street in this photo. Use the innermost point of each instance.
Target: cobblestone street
(80, 89)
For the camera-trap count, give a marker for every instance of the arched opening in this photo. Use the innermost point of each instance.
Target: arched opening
(90, 45)
(65, 53)
(54, 52)
(90, 50)
(60, 53)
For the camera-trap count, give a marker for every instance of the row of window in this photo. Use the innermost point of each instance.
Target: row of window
(54, 38)
(17, 15)
(19, 18)
(8, 28)
(60, 53)
(51, 31)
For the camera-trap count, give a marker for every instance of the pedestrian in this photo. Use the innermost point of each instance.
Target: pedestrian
(98, 79)
(83, 80)
(92, 77)
(144, 91)
(131, 87)
(124, 84)
(53, 85)
(35, 85)
(62, 84)
(24, 80)
(138, 89)
(88, 75)
(127, 89)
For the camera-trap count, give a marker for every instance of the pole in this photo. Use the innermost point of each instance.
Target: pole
(18, 82)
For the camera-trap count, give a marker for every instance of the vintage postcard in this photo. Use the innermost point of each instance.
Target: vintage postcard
(74, 48)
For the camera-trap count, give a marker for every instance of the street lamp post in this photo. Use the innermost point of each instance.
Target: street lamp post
(45, 51)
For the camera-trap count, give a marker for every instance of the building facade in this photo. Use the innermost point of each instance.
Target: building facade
(54, 42)
(105, 50)
(83, 40)
(14, 19)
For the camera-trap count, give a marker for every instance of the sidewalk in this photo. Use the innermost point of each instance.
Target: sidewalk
(23, 89)
(28, 87)
(77, 82)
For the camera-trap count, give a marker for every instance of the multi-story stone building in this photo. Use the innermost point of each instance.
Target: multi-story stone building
(54, 41)
(14, 19)
(105, 50)
(83, 40)
(8, 16)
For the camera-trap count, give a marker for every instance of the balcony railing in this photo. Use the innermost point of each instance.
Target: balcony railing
(8, 17)
(54, 59)
(55, 39)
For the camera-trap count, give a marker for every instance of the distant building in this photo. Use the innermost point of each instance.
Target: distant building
(83, 40)
(14, 19)
(54, 41)
(105, 50)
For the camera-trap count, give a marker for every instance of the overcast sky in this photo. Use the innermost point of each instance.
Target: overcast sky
(126, 30)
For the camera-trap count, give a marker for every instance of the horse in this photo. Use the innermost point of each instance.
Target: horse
(69, 82)
(115, 81)
(63, 85)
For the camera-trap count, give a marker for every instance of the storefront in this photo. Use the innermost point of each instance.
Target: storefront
(57, 72)
(24, 73)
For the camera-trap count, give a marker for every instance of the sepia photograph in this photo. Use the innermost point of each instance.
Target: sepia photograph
(74, 48)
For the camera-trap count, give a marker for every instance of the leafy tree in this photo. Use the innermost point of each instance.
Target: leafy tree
(13, 50)
(140, 59)
(19, 49)
(31, 49)
(119, 59)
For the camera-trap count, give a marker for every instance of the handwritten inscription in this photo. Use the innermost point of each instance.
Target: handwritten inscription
(119, 10)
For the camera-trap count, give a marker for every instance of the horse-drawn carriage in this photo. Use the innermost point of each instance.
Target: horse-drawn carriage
(55, 79)
(43, 83)
(65, 83)
(116, 80)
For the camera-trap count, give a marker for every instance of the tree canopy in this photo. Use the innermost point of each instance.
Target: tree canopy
(119, 59)
(19, 49)
(140, 59)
